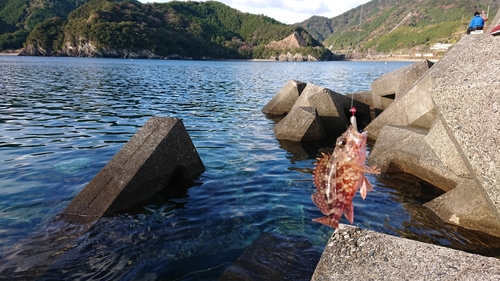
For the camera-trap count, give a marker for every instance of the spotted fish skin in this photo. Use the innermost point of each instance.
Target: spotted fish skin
(338, 177)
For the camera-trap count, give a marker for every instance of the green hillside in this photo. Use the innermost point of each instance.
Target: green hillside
(421, 24)
(19, 17)
(183, 29)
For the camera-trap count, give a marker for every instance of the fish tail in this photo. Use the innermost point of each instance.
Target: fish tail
(329, 221)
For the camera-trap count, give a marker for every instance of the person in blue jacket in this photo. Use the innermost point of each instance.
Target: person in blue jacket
(476, 23)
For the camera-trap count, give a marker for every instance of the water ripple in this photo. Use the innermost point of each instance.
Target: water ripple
(62, 119)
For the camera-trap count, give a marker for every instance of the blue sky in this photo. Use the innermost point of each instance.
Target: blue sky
(289, 11)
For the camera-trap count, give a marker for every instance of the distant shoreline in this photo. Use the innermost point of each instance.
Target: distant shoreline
(16, 53)
(434, 59)
(9, 53)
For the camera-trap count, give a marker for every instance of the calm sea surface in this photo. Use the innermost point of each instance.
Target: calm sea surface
(63, 119)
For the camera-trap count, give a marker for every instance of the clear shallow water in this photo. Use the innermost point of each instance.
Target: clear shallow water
(62, 119)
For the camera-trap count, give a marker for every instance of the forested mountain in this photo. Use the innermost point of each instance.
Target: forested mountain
(123, 28)
(397, 25)
(19, 17)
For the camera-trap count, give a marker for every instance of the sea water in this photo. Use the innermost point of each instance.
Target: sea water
(63, 119)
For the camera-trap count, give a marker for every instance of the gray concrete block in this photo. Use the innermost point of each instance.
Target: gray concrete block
(284, 100)
(259, 261)
(331, 107)
(444, 147)
(392, 85)
(364, 97)
(468, 100)
(158, 152)
(416, 107)
(357, 254)
(466, 206)
(301, 124)
(404, 149)
(363, 101)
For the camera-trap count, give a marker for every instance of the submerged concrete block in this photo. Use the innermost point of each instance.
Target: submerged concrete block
(158, 152)
(301, 124)
(284, 100)
(392, 85)
(466, 206)
(293, 254)
(404, 149)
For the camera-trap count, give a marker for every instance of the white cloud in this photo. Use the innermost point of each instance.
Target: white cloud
(290, 11)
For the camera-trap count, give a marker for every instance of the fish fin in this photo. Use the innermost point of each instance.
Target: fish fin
(363, 190)
(372, 170)
(349, 213)
(369, 186)
(329, 221)
(366, 187)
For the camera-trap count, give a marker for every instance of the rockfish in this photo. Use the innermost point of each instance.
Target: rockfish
(338, 176)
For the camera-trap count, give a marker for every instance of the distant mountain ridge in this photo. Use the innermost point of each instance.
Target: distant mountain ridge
(128, 28)
(367, 28)
(199, 30)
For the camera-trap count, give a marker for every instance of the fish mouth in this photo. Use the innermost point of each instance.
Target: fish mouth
(360, 138)
(358, 133)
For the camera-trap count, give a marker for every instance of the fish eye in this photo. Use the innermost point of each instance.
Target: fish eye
(341, 143)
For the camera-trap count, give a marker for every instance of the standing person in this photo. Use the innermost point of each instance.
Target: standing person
(477, 22)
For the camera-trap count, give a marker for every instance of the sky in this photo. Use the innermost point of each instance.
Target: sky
(289, 11)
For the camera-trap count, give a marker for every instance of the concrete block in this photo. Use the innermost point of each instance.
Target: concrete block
(293, 254)
(158, 152)
(416, 107)
(301, 124)
(403, 149)
(392, 85)
(358, 254)
(468, 101)
(466, 206)
(284, 100)
(363, 102)
(364, 97)
(444, 147)
(333, 108)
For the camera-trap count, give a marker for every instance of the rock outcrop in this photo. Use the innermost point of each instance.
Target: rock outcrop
(291, 42)
(89, 50)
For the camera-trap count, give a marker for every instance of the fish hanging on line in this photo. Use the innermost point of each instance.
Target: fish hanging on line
(339, 175)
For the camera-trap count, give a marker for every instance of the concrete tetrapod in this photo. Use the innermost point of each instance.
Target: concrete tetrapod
(301, 124)
(284, 100)
(160, 151)
(392, 85)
